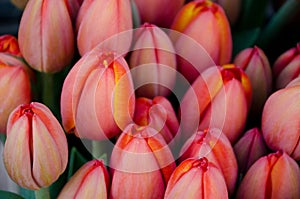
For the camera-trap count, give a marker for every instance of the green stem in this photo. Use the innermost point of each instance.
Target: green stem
(2, 138)
(278, 22)
(48, 96)
(42, 193)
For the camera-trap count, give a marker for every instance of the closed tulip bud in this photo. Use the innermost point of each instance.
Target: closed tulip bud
(157, 113)
(9, 44)
(283, 133)
(46, 36)
(273, 176)
(103, 19)
(90, 181)
(161, 13)
(143, 160)
(232, 9)
(250, 148)
(215, 146)
(153, 62)
(219, 98)
(36, 141)
(14, 87)
(196, 178)
(97, 96)
(206, 23)
(287, 67)
(256, 65)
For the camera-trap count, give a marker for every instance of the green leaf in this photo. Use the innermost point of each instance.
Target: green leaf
(9, 195)
(2, 137)
(253, 13)
(76, 161)
(244, 39)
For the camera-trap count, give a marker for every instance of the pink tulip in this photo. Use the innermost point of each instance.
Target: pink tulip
(219, 98)
(294, 82)
(101, 20)
(14, 87)
(250, 148)
(287, 67)
(90, 181)
(73, 8)
(141, 163)
(36, 149)
(9, 44)
(206, 23)
(196, 179)
(161, 13)
(97, 99)
(153, 62)
(256, 65)
(157, 113)
(215, 146)
(280, 121)
(273, 176)
(46, 36)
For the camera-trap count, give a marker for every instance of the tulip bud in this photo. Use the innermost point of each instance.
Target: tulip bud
(273, 176)
(206, 23)
(161, 13)
(250, 148)
(196, 178)
(287, 67)
(46, 36)
(158, 114)
(73, 8)
(99, 20)
(90, 181)
(215, 146)
(9, 44)
(256, 65)
(36, 149)
(232, 9)
(143, 160)
(283, 133)
(153, 62)
(219, 98)
(15, 87)
(97, 98)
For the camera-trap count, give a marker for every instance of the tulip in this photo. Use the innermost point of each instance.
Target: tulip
(161, 13)
(295, 82)
(215, 146)
(73, 8)
(219, 98)
(280, 121)
(206, 23)
(232, 9)
(19, 3)
(250, 148)
(90, 181)
(14, 87)
(287, 67)
(256, 65)
(97, 99)
(273, 176)
(9, 44)
(36, 141)
(153, 62)
(46, 36)
(141, 163)
(157, 113)
(103, 19)
(196, 178)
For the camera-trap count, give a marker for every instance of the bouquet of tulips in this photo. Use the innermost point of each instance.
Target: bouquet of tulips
(151, 99)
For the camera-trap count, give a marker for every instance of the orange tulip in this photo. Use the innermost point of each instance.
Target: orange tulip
(206, 23)
(273, 176)
(142, 162)
(90, 181)
(46, 36)
(9, 44)
(36, 141)
(196, 179)
(97, 99)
